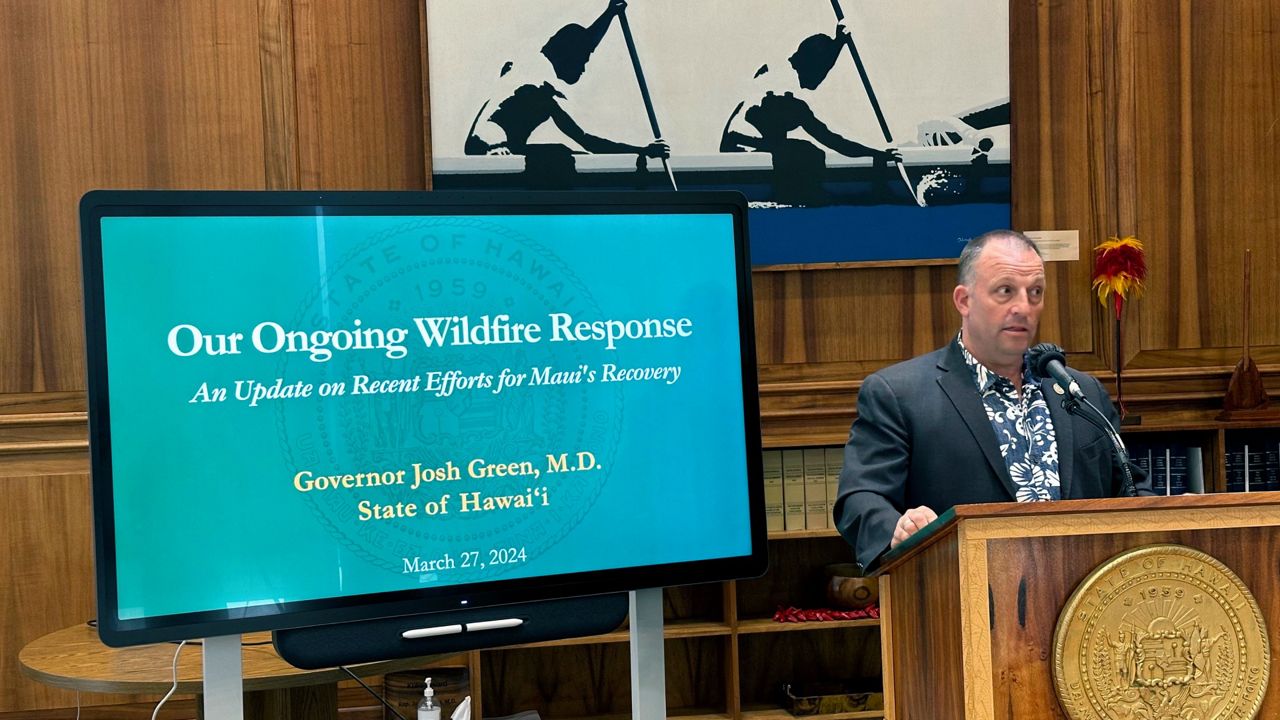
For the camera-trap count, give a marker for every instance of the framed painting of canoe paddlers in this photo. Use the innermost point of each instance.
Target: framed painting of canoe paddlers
(859, 131)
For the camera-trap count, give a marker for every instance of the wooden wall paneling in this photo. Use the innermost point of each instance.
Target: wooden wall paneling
(1118, 102)
(52, 402)
(809, 413)
(792, 326)
(1158, 165)
(855, 313)
(1207, 157)
(46, 443)
(426, 92)
(47, 533)
(107, 94)
(173, 95)
(767, 300)
(876, 315)
(1070, 318)
(1264, 219)
(936, 319)
(1167, 169)
(1058, 179)
(359, 94)
(1232, 109)
(797, 316)
(1115, 81)
(42, 138)
(279, 104)
(56, 457)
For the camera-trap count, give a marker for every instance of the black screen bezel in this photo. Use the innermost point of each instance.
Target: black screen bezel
(99, 204)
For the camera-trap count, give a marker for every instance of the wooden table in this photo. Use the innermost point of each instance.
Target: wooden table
(75, 659)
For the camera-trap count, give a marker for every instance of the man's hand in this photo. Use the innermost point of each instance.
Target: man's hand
(911, 522)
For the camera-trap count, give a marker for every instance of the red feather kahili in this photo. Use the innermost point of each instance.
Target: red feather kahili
(1119, 267)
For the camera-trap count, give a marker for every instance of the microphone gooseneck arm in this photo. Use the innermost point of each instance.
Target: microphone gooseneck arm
(1094, 417)
(1049, 361)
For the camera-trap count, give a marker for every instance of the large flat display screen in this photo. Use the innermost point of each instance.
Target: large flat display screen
(319, 407)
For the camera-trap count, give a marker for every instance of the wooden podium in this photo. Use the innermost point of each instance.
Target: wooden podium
(970, 604)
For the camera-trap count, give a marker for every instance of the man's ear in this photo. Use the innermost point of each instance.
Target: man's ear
(960, 296)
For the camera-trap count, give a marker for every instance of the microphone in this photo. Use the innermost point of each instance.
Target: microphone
(1047, 360)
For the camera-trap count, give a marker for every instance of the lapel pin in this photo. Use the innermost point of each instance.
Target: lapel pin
(1058, 389)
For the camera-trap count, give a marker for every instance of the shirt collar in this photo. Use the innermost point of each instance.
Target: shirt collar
(985, 378)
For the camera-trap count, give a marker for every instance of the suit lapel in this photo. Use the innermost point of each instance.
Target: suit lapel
(1063, 431)
(957, 383)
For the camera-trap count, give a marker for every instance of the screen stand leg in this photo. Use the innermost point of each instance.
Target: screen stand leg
(648, 664)
(223, 686)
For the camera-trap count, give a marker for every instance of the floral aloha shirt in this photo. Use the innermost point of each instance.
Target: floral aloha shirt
(1024, 429)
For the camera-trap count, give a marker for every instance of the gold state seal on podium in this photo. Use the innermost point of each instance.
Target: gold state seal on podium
(1161, 632)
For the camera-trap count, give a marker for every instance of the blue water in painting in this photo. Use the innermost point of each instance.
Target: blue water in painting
(858, 225)
(845, 233)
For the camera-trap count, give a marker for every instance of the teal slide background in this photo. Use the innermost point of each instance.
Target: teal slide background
(206, 513)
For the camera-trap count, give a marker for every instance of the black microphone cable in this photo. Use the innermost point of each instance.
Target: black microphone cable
(1098, 420)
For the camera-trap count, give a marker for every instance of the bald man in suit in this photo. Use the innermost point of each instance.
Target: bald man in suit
(970, 422)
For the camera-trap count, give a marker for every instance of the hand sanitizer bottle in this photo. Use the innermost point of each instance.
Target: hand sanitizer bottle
(428, 709)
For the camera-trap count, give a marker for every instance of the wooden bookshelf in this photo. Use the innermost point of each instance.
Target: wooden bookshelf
(780, 714)
(751, 627)
(726, 658)
(803, 534)
(670, 631)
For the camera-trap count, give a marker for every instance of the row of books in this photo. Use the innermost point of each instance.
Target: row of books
(800, 487)
(1253, 462)
(800, 484)
(1173, 468)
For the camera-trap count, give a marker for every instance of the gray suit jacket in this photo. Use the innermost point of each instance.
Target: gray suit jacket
(922, 437)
